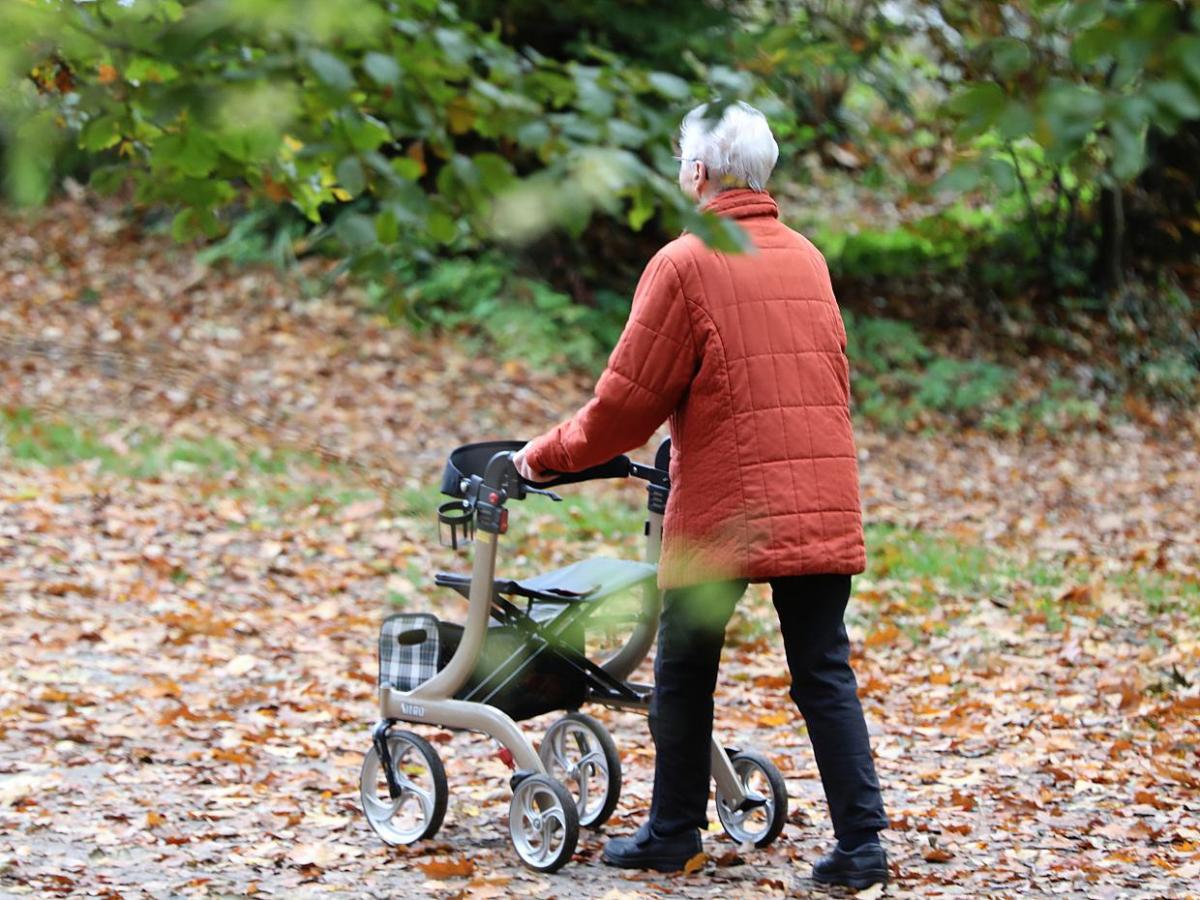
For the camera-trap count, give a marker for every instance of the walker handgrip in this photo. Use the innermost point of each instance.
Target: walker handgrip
(617, 467)
(473, 459)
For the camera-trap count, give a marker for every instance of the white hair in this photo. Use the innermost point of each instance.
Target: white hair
(737, 150)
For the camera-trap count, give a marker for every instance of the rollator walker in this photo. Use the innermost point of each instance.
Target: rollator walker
(510, 663)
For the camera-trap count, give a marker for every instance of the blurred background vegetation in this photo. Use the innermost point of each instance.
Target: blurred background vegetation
(1007, 192)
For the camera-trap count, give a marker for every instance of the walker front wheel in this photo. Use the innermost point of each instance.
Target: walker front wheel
(579, 752)
(761, 816)
(543, 823)
(417, 812)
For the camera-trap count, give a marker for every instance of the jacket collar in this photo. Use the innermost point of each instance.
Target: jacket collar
(743, 203)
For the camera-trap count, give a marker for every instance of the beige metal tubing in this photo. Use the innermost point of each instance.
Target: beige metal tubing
(463, 714)
(483, 577)
(724, 775)
(622, 663)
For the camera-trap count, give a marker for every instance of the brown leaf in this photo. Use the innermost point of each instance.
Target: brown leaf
(448, 868)
(938, 855)
(885, 635)
(695, 864)
(729, 858)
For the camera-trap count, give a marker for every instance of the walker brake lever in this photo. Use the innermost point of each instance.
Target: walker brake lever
(545, 493)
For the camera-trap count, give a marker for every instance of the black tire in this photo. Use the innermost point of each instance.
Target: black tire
(552, 801)
(771, 817)
(375, 802)
(591, 815)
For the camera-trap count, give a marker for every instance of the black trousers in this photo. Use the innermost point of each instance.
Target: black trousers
(691, 634)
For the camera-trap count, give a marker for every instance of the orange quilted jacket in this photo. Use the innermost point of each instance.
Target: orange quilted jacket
(747, 356)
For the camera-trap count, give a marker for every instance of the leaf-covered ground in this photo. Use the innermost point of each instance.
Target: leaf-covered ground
(190, 605)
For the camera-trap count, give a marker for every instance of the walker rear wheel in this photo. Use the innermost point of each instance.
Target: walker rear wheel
(418, 811)
(579, 752)
(761, 818)
(543, 823)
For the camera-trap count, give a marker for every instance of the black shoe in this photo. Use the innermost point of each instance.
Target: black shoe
(861, 867)
(647, 851)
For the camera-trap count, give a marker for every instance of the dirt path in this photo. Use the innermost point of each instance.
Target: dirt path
(189, 648)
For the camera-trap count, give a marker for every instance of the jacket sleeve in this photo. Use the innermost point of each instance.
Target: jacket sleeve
(648, 373)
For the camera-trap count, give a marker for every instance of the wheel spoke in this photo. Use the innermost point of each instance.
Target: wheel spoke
(547, 835)
(583, 791)
(596, 757)
(558, 753)
(378, 808)
(424, 799)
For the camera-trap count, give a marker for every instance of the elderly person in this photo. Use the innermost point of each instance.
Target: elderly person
(746, 355)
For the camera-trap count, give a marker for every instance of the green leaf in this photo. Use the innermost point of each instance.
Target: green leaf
(532, 135)
(976, 98)
(977, 107)
(383, 69)
(441, 227)
(670, 86)
(192, 153)
(331, 70)
(1015, 121)
(1069, 113)
(107, 180)
(641, 209)
(623, 134)
(1129, 150)
(1187, 52)
(1009, 56)
(1083, 14)
(100, 133)
(590, 96)
(495, 172)
(1175, 97)
(355, 230)
(962, 178)
(1094, 44)
(999, 174)
(144, 69)
(387, 227)
(350, 175)
(185, 225)
(365, 132)
(406, 167)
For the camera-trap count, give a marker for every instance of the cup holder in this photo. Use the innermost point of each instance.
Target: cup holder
(456, 524)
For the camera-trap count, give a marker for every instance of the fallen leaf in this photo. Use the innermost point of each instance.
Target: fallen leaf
(448, 868)
(695, 864)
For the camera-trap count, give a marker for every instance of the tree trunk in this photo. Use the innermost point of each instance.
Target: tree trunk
(1110, 264)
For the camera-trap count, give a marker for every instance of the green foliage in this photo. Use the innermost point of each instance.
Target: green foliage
(898, 381)
(516, 317)
(1157, 332)
(399, 124)
(1084, 80)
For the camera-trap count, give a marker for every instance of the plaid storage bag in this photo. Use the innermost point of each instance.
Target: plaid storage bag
(410, 650)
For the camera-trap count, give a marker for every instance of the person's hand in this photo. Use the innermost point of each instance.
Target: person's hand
(525, 470)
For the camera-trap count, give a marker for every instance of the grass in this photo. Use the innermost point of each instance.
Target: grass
(917, 569)
(935, 564)
(140, 455)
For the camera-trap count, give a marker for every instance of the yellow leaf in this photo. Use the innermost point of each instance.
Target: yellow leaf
(459, 115)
